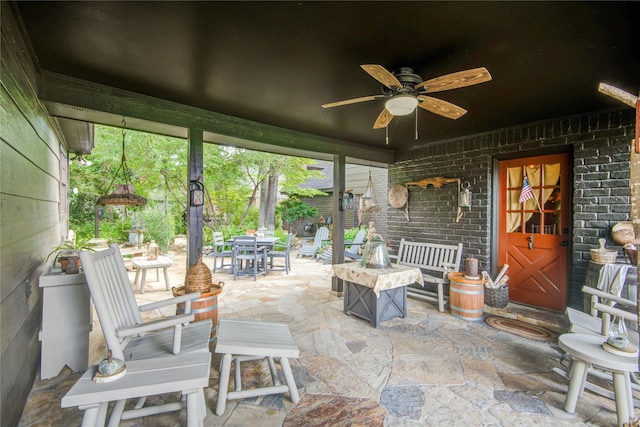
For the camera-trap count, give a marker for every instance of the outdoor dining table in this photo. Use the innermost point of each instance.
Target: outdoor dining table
(261, 241)
(375, 294)
(266, 241)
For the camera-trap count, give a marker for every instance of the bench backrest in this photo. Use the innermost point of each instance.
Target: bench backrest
(430, 256)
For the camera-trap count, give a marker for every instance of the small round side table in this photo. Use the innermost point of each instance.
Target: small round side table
(587, 349)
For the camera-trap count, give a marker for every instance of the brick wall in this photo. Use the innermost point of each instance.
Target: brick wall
(599, 144)
(379, 177)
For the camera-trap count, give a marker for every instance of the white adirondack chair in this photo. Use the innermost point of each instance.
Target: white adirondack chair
(125, 333)
(351, 249)
(311, 249)
(597, 322)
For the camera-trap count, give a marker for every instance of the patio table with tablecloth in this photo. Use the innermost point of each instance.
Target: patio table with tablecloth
(375, 294)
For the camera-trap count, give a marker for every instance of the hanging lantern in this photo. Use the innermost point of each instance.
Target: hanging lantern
(464, 196)
(196, 190)
(123, 194)
(369, 200)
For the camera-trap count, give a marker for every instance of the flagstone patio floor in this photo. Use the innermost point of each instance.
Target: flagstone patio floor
(428, 369)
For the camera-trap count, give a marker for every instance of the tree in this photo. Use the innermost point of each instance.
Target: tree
(158, 164)
(293, 209)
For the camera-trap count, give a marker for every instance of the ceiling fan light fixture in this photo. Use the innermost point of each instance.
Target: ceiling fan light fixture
(401, 105)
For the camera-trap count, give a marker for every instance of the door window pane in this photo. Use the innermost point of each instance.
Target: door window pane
(533, 199)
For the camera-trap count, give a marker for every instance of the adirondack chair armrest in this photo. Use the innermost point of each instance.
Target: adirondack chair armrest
(597, 293)
(171, 301)
(604, 308)
(155, 325)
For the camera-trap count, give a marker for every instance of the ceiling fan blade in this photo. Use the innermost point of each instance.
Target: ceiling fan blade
(456, 80)
(440, 107)
(382, 75)
(352, 101)
(383, 119)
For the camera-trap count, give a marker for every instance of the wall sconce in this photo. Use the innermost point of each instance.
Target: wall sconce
(196, 196)
(346, 201)
(464, 196)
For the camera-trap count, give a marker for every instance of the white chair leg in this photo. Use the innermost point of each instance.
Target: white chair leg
(144, 278)
(621, 386)
(194, 411)
(116, 413)
(291, 382)
(225, 371)
(578, 376)
(274, 372)
(440, 298)
(237, 372)
(91, 415)
(166, 279)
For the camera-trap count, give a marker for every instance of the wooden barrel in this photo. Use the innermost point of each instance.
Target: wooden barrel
(204, 308)
(466, 297)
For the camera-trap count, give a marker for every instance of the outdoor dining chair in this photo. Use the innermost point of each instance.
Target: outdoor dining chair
(248, 257)
(282, 250)
(222, 250)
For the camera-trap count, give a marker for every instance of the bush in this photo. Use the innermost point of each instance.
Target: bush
(159, 226)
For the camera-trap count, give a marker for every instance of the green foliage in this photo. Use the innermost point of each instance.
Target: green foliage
(159, 226)
(350, 234)
(158, 166)
(69, 247)
(81, 208)
(293, 209)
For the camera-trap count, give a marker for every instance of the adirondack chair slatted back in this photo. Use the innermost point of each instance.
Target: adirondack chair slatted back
(311, 249)
(321, 234)
(357, 242)
(111, 293)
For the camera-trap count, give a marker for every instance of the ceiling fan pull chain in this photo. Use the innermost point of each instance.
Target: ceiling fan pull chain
(386, 136)
(416, 124)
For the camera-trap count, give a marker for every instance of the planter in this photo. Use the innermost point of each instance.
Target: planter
(497, 297)
(204, 308)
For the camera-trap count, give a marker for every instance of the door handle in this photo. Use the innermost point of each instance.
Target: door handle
(531, 242)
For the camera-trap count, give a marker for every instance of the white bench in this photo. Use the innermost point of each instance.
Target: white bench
(186, 373)
(435, 261)
(142, 264)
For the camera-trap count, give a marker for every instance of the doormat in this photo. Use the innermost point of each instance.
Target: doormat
(522, 329)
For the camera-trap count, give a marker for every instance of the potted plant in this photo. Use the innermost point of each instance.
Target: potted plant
(69, 248)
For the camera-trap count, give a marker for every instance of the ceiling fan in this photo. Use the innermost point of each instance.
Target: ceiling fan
(406, 91)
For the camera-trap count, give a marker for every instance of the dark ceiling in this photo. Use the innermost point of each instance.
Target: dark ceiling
(277, 62)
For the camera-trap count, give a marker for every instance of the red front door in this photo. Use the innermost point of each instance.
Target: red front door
(533, 225)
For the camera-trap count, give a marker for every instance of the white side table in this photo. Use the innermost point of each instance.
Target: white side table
(587, 349)
(186, 373)
(66, 322)
(243, 340)
(142, 264)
